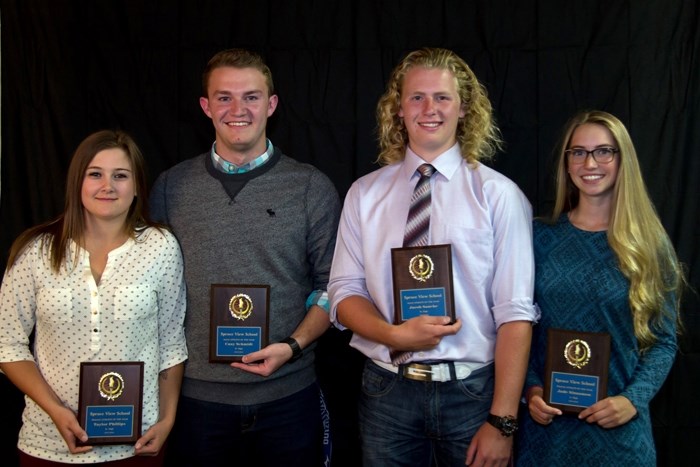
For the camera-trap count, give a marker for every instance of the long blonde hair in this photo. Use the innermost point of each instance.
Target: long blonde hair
(477, 133)
(644, 251)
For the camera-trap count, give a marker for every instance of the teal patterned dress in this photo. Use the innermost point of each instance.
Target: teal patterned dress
(579, 286)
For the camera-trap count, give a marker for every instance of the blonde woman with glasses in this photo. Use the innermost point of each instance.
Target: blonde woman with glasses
(604, 264)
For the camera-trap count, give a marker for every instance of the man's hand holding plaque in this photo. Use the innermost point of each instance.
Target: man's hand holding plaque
(239, 321)
(576, 369)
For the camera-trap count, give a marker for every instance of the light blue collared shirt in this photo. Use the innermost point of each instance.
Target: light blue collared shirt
(227, 167)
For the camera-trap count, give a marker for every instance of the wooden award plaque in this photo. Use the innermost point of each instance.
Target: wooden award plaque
(576, 369)
(239, 321)
(110, 402)
(422, 281)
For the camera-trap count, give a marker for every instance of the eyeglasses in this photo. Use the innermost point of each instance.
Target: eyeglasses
(600, 155)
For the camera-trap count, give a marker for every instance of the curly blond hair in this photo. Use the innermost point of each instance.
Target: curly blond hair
(477, 133)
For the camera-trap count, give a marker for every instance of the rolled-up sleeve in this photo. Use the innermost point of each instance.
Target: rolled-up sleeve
(513, 282)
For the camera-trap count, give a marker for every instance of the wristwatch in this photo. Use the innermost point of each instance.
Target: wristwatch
(296, 350)
(508, 424)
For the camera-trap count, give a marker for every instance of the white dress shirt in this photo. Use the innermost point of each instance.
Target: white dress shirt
(480, 212)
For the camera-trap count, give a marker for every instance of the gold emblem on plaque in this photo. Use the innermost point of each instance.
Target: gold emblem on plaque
(111, 385)
(241, 306)
(421, 267)
(577, 353)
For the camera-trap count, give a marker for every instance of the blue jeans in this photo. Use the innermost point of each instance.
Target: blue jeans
(282, 432)
(414, 424)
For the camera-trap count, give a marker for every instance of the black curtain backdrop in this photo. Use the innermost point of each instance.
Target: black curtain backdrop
(72, 67)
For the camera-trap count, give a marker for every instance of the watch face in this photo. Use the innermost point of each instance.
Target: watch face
(508, 425)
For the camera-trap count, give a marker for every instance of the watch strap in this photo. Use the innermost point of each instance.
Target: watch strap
(507, 425)
(296, 349)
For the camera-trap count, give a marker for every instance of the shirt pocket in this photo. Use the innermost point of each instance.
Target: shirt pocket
(136, 301)
(55, 305)
(472, 252)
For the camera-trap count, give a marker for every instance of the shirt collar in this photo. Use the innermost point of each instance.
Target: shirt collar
(222, 165)
(445, 164)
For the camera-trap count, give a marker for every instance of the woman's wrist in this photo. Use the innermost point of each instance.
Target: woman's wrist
(533, 391)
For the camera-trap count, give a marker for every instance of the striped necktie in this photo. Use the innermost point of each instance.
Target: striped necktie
(418, 222)
(417, 228)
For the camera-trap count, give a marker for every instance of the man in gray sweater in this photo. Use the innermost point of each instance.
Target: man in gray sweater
(244, 213)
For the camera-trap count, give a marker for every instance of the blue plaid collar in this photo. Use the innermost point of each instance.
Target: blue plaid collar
(227, 167)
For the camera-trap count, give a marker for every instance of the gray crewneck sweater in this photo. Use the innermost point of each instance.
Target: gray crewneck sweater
(274, 225)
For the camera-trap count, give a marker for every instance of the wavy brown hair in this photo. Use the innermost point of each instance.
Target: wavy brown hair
(643, 249)
(477, 133)
(70, 225)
